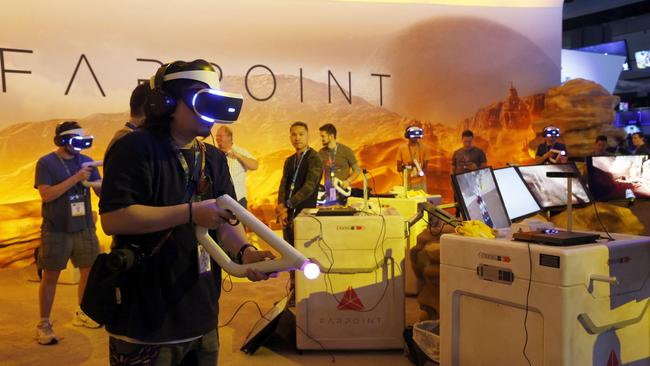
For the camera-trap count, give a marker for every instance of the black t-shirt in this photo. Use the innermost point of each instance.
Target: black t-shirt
(543, 148)
(170, 301)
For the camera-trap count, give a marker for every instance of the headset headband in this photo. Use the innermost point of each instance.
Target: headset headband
(204, 76)
(75, 131)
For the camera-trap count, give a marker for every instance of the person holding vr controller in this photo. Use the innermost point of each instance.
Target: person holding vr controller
(411, 159)
(550, 151)
(160, 181)
(68, 229)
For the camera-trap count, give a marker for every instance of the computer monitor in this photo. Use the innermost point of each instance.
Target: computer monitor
(550, 193)
(517, 198)
(479, 198)
(619, 177)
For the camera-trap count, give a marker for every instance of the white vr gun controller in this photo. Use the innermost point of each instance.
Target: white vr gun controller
(95, 184)
(338, 184)
(556, 155)
(290, 259)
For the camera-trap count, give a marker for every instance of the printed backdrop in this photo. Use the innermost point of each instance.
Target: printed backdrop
(371, 68)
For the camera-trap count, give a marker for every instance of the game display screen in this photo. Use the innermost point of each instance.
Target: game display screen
(517, 198)
(480, 198)
(615, 177)
(551, 192)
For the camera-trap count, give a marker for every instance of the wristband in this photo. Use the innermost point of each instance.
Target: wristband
(240, 254)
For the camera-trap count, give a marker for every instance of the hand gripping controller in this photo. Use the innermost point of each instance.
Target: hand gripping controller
(290, 259)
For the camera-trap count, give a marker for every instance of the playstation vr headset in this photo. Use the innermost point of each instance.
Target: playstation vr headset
(71, 134)
(551, 131)
(208, 101)
(414, 132)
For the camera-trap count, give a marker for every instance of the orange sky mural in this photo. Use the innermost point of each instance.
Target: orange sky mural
(369, 68)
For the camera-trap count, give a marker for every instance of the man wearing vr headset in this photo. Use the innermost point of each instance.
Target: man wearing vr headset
(550, 151)
(412, 160)
(160, 182)
(68, 229)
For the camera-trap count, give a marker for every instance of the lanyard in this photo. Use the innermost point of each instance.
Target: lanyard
(332, 159)
(417, 150)
(67, 170)
(295, 173)
(192, 180)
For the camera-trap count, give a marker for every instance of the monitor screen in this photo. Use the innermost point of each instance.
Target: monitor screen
(551, 192)
(517, 198)
(618, 48)
(479, 198)
(619, 177)
(642, 59)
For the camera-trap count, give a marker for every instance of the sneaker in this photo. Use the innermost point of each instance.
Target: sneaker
(82, 320)
(45, 335)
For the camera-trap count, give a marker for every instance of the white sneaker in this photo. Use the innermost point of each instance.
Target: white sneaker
(82, 320)
(45, 335)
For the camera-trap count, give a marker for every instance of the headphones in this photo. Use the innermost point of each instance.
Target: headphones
(414, 132)
(551, 131)
(159, 102)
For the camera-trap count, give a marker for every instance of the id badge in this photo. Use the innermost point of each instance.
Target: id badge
(332, 194)
(77, 206)
(205, 266)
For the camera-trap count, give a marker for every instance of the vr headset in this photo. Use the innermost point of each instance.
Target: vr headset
(214, 105)
(551, 131)
(414, 132)
(211, 104)
(75, 138)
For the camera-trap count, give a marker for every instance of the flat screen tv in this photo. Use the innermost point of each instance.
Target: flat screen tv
(619, 177)
(479, 198)
(518, 199)
(551, 193)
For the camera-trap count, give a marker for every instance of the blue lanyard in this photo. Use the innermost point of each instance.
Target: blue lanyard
(332, 160)
(67, 170)
(295, 173)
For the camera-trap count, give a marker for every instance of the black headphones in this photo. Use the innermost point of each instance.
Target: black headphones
(159, 103)
(62, 140)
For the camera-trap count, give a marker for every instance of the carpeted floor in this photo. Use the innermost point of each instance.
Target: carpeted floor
(81, 346)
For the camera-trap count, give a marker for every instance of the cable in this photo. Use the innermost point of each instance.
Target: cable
(315, 340)
(601, 223)
(374, 188)
(224, 281)
(269, 320)
(530, 280)
(330, 286)
(239, 308)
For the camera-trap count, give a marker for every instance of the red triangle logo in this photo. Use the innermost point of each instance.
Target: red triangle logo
(350, 301)
(613, 360)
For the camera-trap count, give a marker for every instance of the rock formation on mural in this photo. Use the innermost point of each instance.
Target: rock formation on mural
(582, 109)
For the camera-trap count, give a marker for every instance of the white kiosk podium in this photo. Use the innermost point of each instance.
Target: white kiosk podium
(407, 207)
(587, 304)
(358, 300)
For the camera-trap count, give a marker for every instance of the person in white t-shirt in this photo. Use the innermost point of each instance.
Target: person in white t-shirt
(239, 162)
